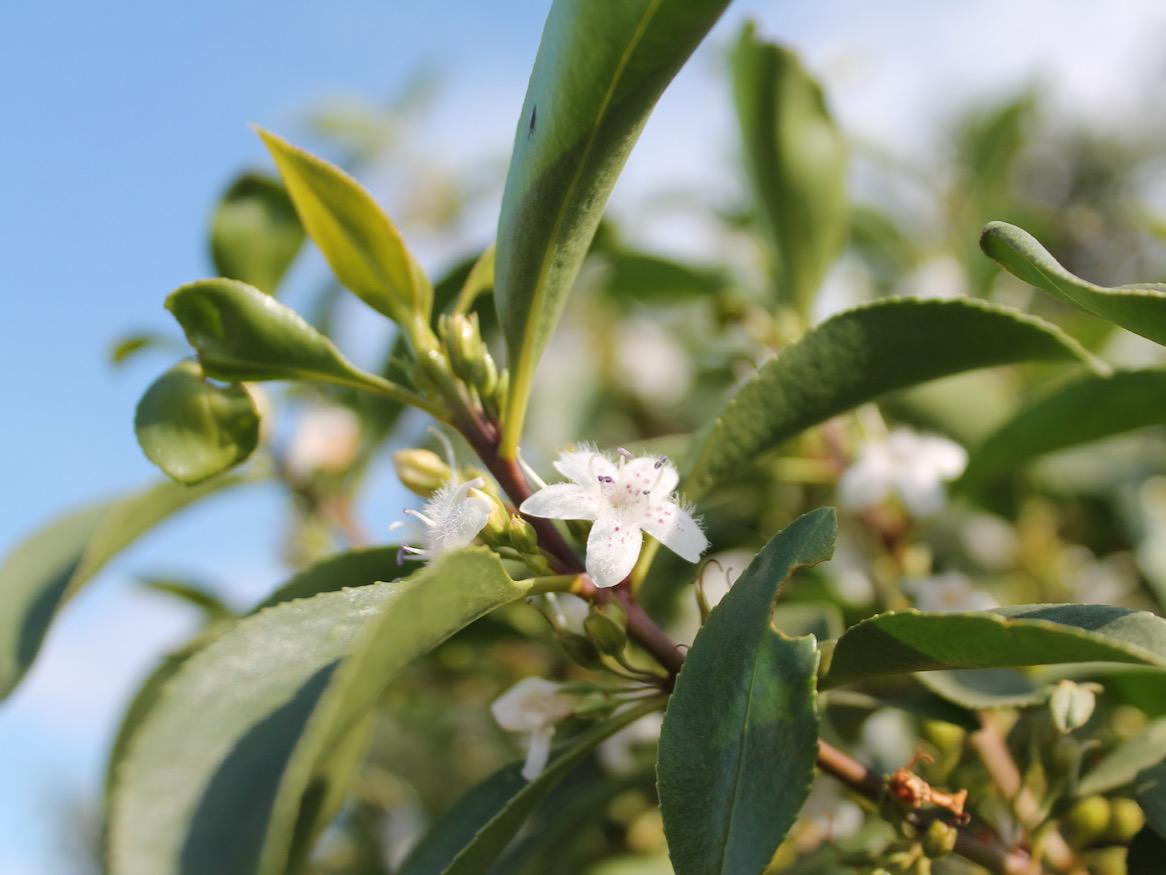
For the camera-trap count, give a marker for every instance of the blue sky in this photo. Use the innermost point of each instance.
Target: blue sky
(121, 123)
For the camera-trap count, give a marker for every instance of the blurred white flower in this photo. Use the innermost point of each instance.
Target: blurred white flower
(940, 276)
(909, 466)
(849, 570)
(617, 754)
(623, 501)
(1106, 581)
(326, 439)
(948, 593)
(990, 541)
(533, 705)
(450, 520)
(651, 363)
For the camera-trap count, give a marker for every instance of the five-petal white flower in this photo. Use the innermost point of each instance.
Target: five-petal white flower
(623, 500)
(908, 465)
(450, 520)
(533, 705)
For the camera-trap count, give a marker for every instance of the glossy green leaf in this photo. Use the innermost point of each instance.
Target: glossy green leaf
(796, 158)
(1138, 307)
(193, 429)
(44, 570)
(908, 641)
(985, 688)
(1150, 790)
(351, 568)
(255, 233)
(471, 836)
(858, 356)
(600, 69)
(242, 334)
(1125, 762)
(1116, 403)
(740, 736)
(216, 774)
(360, 242)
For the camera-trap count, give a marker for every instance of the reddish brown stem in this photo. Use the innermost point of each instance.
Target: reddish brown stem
(483, 437)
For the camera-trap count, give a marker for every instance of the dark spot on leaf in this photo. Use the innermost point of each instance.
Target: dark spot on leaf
(533, 118)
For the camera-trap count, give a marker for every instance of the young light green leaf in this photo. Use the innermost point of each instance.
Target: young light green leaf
(600, 69)
(740, 736)
(470, 837)
(909, 641)
(129, 346)
(359, 241)
(1116, 403)
(193, 429)
(1126, 761)
(796, 158)
(1138, 307)
(216, 773)
(43, 571)
(242, 334)
(255, 233)
(858, 356)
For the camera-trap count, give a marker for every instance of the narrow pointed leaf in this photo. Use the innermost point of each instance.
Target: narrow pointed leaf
(740, 736)
(255, 233)
(216, 774)
(908, 641)
(472, 835)
(858, 356)
(796, 158)
(360, 242)
(1116, 403)
(48, 567)
(600, 69)
(1138, 307)
(193, 429)
(242, 334)
(1125, 762)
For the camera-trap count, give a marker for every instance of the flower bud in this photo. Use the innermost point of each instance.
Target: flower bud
(595, 705)
(463, 344)
(607, 627)
(498, 525)
(1086, 821)
(422, 472)
(1071, 705)
(1125, 820)
(522, 535)
(578, 649)
(939, 839)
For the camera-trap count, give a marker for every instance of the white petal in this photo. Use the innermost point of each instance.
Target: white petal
(650, 473)
(675, 529)
(459, 525)
(922, 493)
(863, 485)
(946, 458)
(562, 501)
(584, 466)
(612, 549)
(539, 753)
(529, 704)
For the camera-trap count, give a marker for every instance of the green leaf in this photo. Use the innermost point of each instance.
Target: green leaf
(1116, 403)
(242, 334)
(908, 641)
(255, 234)
(1126, 761)
(653, 279)
(469, 837)
(1146, 853)
(48, 567)
(985, 688)
(1138, 307)
(740, 736)
(344, 570)
(1150, 791)
(358, 240)
(193, 429)
(796, 158)
(600, 69)
(128, 346)
(858, 356)
(198, 597)
(216, 774)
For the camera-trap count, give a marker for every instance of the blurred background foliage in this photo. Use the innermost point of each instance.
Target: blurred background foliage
(649, 348)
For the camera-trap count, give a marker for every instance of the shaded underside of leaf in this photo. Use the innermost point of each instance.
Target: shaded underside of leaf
(909, 641)
(858, 356)
(740, 736)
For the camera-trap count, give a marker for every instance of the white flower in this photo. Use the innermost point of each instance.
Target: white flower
(450, 520)
(326, 439)
(623, 501)
(533, 705)
(910, 466)
(950, 592)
